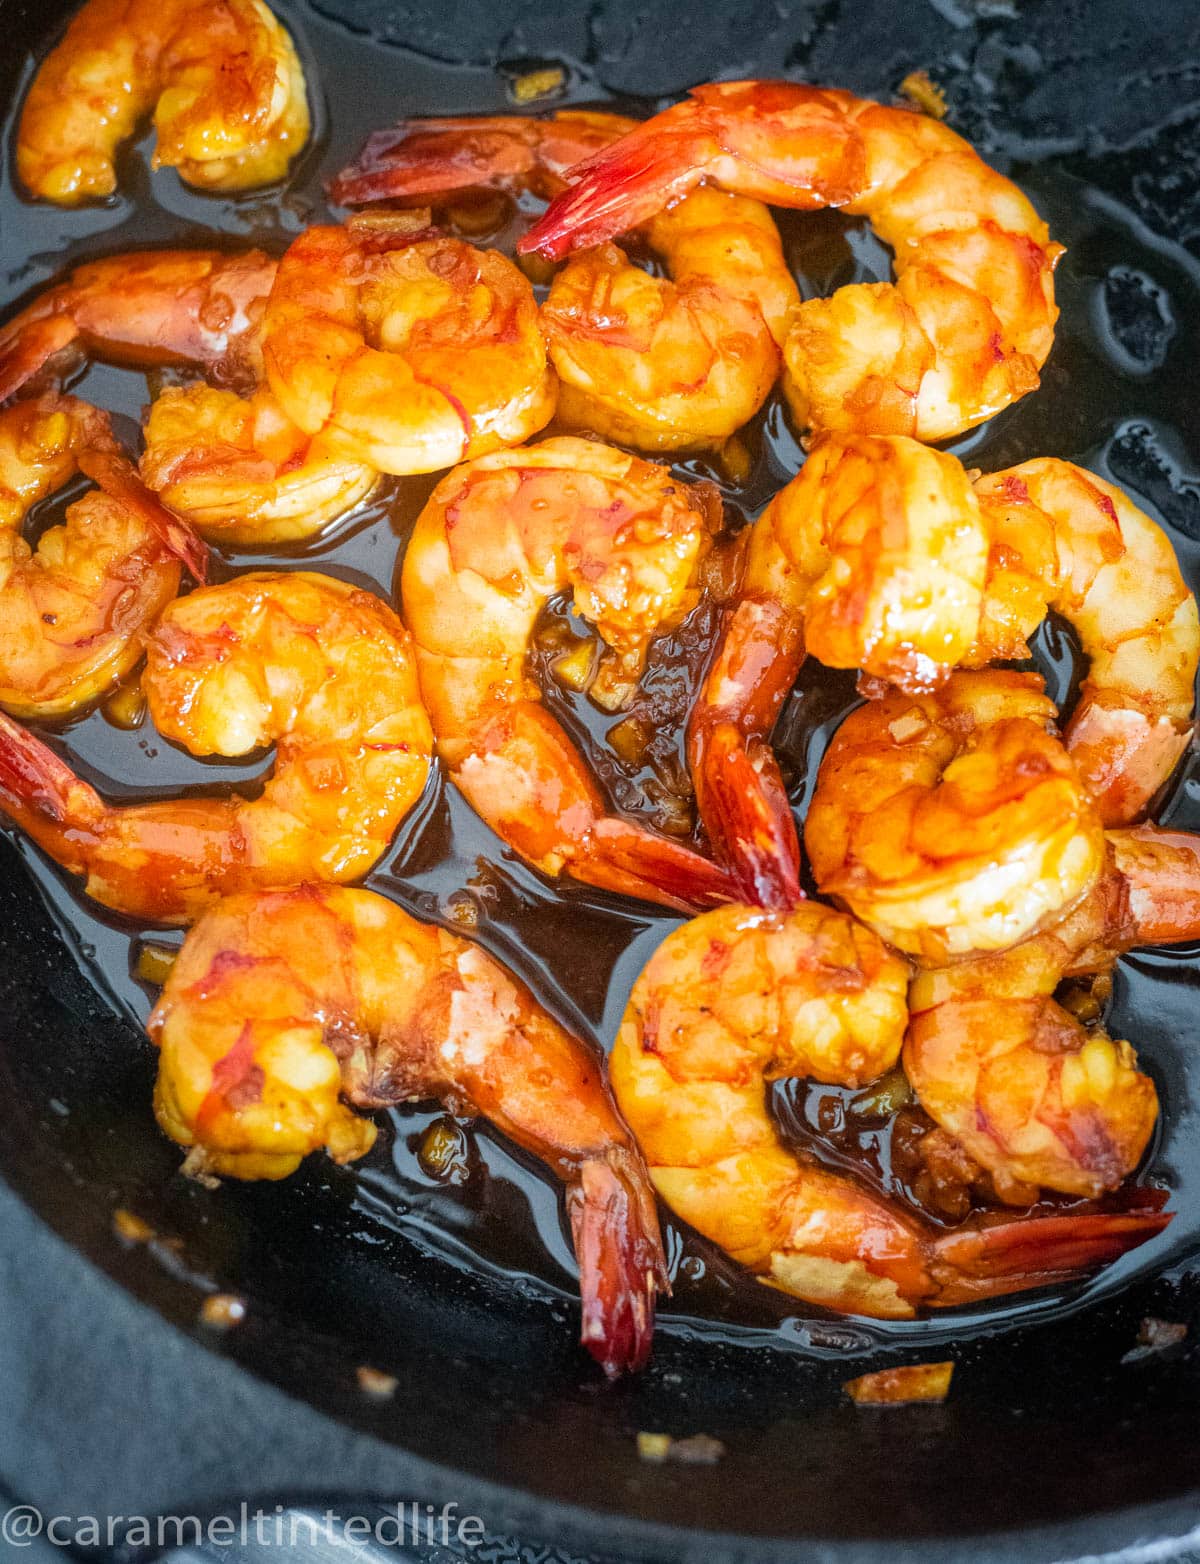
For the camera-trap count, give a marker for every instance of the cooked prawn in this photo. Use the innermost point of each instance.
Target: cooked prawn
(72, 610)
(146, 308)
(740, 996)
(967, 324)
(241, 471)
(874, 557)
(402, 350)
(234, 465)
(280, 1001)
(677, 362)
(1033, 1096)
(1063, 538)
(221, 76)
(322, 670)
(659, 363)
(500, 536)
(953, 822)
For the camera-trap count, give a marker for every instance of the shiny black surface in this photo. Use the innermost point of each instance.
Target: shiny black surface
(466, 1292)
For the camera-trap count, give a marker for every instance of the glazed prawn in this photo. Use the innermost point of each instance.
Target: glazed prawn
(235, 465)
(221, 77)
(201, 308)
(1063, 538)
(953, 822)
(1033, 1096)
(72, 610)
(242, 472)
(659, 363)
(969, 321)
(499, 537)
(874, 557)
(741, 996)
(405, 351)
(279, 1002)
(320, 669)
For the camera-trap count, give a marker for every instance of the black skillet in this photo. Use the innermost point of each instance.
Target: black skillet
(1051, 1445)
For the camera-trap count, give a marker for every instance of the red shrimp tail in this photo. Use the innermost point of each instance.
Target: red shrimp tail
(747, 813)
(1161, 870)
(416, 159)
(621, 186)
(633, 861)
(621, 1262)
(118, 478)
(1013, 1256)
(28, 346)
(41, 794)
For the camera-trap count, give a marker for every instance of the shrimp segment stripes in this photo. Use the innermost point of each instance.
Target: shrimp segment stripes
(320, 669)
(221, 76)
(498, 538)
(282, 1003)
(969, 321)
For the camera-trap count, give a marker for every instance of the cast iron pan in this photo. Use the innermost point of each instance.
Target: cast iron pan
(1050, 1445)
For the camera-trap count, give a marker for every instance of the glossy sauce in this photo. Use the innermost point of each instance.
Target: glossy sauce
(1117, 396)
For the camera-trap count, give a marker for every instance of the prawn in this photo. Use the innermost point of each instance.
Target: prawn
(741, 996)
(71, 610)
(200, 308)
(659, 363)
(1032, 1095)
(955, 821)
(969, 321)
(241, 471)
(405, 351)
(322, 670)
(499, 537)
(281, 1003)
(234, 465)
(874, 557)
(221, 76)
(1063, 538)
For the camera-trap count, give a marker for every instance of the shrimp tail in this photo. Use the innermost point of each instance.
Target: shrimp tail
(414, 159)
(118, 478)
(620, 187)
(985, 1261)
(28, 344)
(44, 796)
(745, 807)
(624, 857)
(621, 1261)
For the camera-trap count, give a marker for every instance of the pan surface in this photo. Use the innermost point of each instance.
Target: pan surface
(465, 1294)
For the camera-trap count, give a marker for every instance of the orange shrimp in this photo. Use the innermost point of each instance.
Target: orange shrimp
(151, 307)
(405, 351)
(1032, 1095)
(1063, 538)
(874, 557)
(72, 610)
(659, 363)
(322, 670)
(281, 1003)
(222, 77)
(953, 822)
(740, 996)
(499, 537)
(969, 321)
